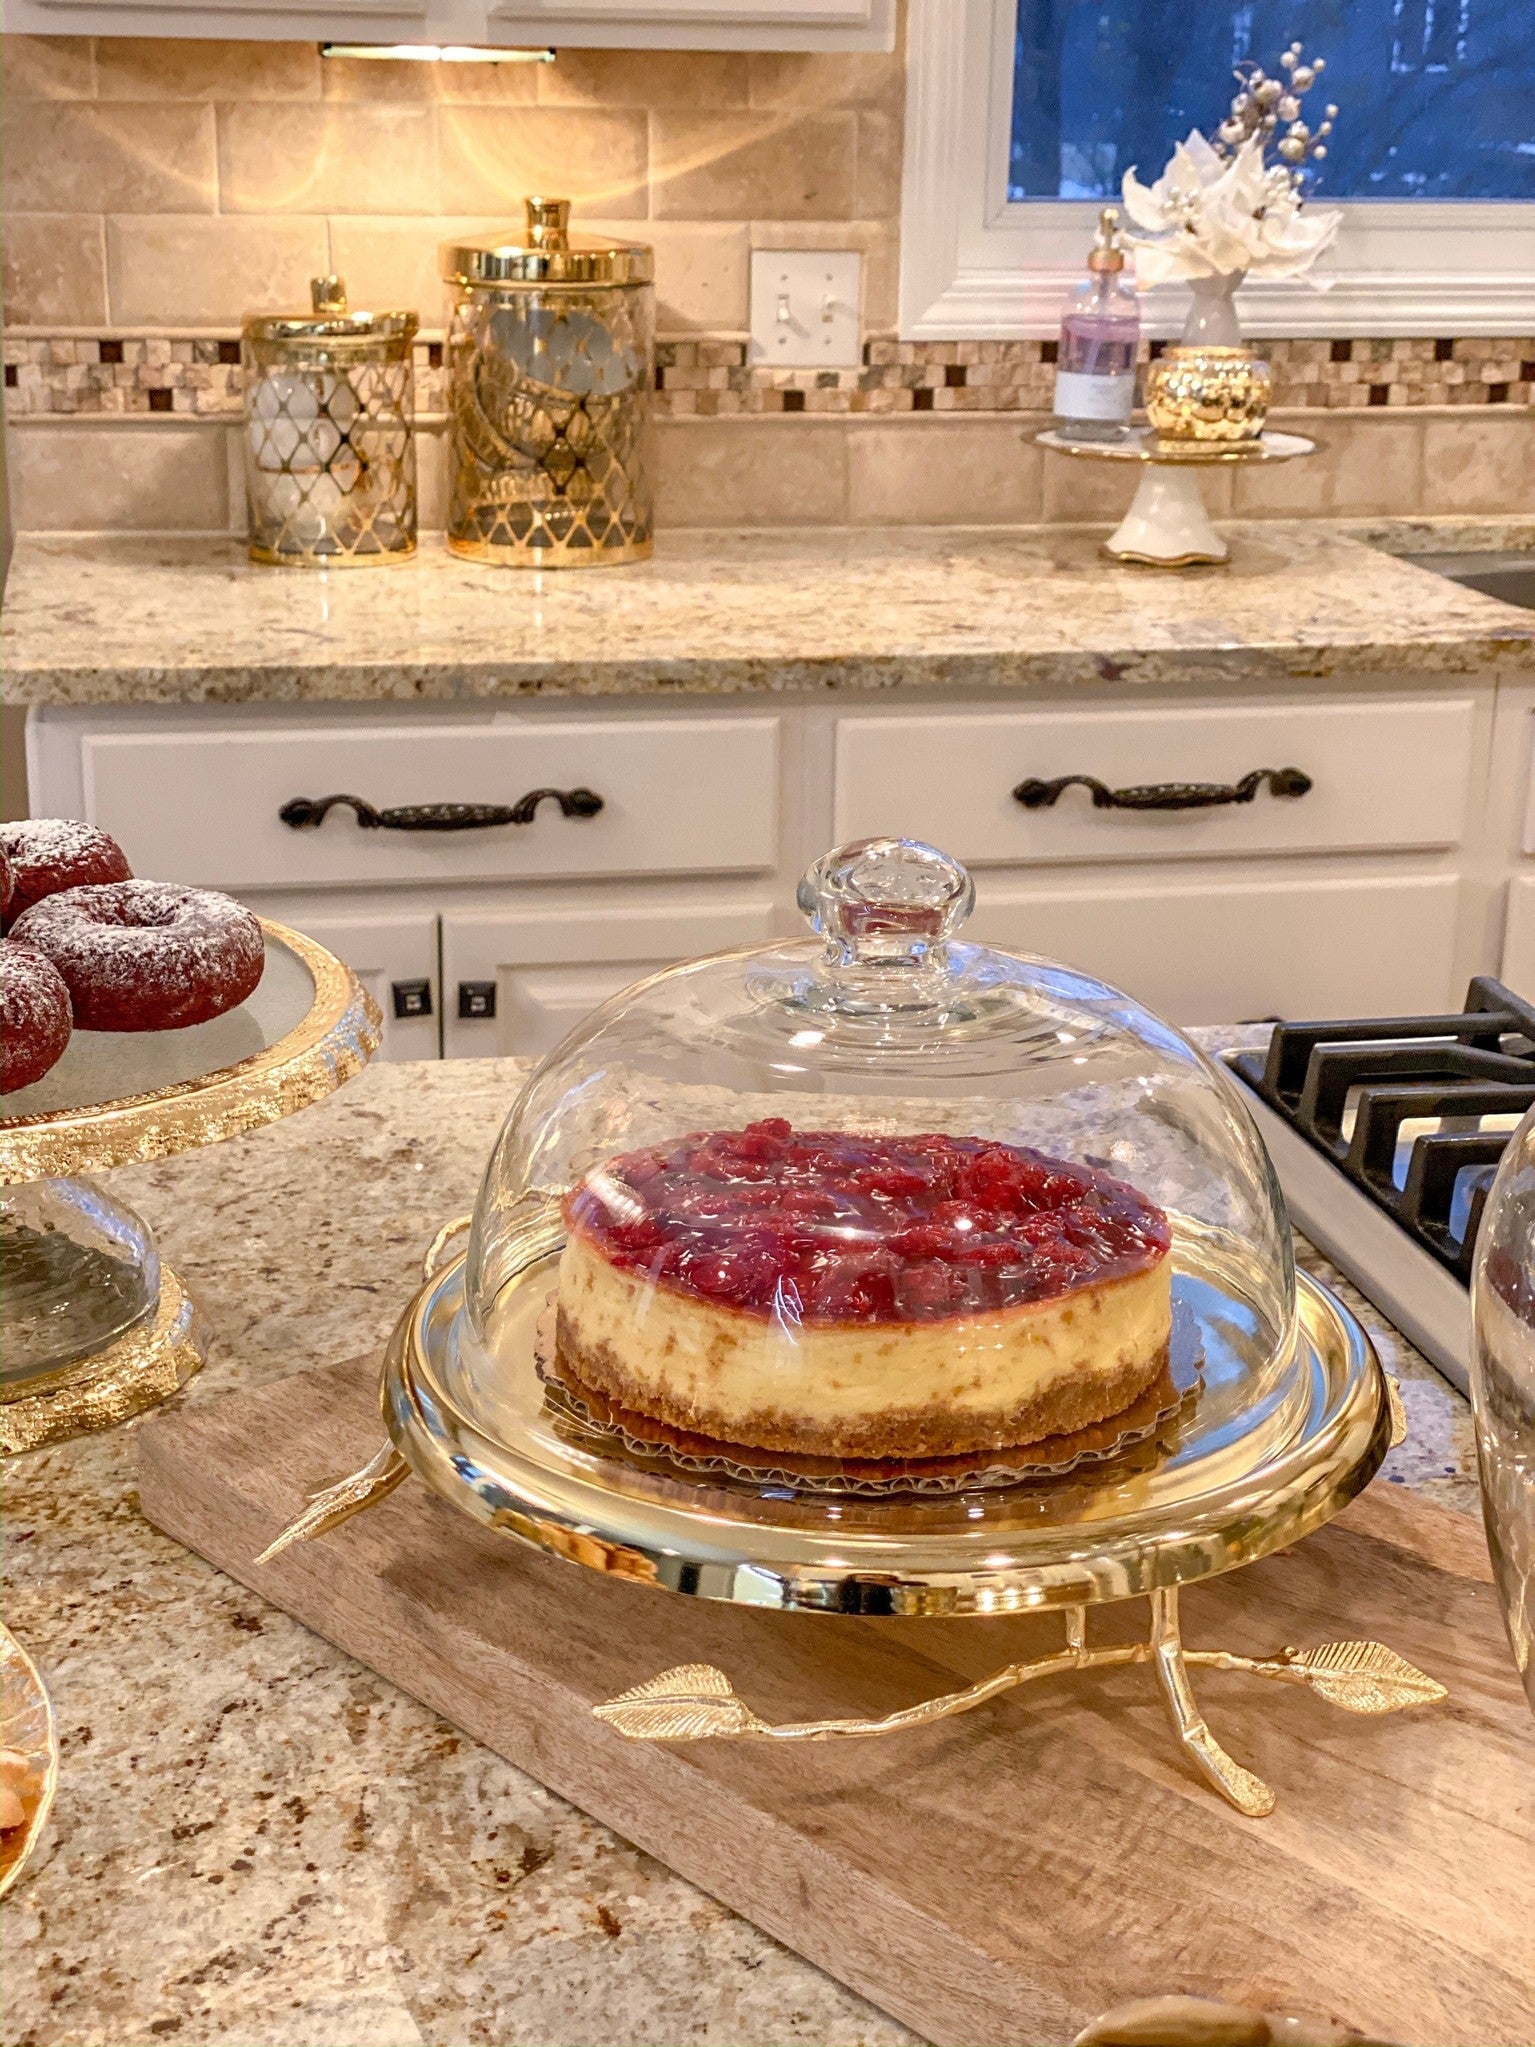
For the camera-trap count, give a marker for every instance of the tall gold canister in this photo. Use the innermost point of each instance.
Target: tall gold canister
(551, 358)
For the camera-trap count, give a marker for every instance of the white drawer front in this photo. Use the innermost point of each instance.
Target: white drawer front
(395, 958)
(1383, 774)
(679, 796)
(1241, 950)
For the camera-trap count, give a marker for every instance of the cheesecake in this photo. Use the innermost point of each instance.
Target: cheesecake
(844, 1294)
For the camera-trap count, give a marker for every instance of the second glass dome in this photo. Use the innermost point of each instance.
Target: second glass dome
(888, 1025)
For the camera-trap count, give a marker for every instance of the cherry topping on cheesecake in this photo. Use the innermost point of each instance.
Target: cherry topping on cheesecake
(830, 1226)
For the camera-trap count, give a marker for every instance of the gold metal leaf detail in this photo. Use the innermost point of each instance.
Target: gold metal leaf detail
(1364, 1677)
(689, 1703)
(1398, 1411)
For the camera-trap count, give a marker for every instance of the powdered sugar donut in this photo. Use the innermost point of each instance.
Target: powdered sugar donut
(7, 885)
(147, 955)
(52, 853)
(35, 1018)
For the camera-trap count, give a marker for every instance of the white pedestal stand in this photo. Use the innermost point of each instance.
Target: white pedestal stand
(1167, 526)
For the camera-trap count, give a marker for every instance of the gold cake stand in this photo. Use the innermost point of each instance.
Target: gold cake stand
(92, 1327)
(1274, 1446)
(1167, 526)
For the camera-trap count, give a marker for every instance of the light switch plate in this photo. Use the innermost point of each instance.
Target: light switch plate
(805, 308)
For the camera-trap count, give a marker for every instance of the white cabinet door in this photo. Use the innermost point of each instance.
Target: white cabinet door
(1229, 952)
(517, 981)
(331, 20)
(1518, 969)
(395, 958)
(700, 24)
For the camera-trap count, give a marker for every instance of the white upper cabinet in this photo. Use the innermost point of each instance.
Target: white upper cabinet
(616, 24)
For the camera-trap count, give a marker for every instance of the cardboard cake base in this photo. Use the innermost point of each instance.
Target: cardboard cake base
(1003, 1876)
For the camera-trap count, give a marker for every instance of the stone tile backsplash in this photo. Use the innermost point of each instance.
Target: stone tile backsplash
(154, 191)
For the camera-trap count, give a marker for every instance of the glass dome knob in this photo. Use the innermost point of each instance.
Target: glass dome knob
(882, 902)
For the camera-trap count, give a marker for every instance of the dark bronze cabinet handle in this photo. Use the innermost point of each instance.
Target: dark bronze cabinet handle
(303, 813)
(1037, 795)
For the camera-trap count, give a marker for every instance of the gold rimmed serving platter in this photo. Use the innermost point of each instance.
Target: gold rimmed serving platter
(1277, 1442)
(308, 1029)
(119, 1098)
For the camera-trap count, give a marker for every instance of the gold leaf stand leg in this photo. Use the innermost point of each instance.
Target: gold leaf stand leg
(696, 1701)
(1249, 1794)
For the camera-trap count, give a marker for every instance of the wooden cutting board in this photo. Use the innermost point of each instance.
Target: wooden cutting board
(999, 1877)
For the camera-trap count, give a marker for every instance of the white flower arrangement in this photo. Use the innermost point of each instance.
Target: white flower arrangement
(1218, 209)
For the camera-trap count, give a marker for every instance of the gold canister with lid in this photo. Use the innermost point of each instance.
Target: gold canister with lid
(330, 444)
(551, 357)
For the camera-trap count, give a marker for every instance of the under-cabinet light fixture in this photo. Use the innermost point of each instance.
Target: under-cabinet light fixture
(436, 53)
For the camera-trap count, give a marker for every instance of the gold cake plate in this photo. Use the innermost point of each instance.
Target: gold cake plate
(1167, 526)
(1273, 1447)
(118, 1098)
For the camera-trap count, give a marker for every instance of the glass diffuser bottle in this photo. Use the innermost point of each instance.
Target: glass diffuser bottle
(1100, 334)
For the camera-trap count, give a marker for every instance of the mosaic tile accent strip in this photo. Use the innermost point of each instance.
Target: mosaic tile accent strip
(710, 378)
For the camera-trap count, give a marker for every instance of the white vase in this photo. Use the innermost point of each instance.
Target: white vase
(1213, 320)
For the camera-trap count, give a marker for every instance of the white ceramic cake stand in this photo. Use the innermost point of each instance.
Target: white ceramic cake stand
(1167, 526)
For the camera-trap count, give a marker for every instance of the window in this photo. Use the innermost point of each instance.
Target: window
(1024, 114)
(1437, 96)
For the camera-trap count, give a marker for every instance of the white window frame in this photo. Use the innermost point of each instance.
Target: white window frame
(975, 265)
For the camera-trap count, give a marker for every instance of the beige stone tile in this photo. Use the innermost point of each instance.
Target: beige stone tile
(396, 262)
(841, 78)
(644, 78)
(327, 159)
(877, 184)
(916, 472)
(198, 68)
(77, 156)
(703, 273)
(46, 68)
(875, 240)
(184, 271)
(1079, 489)
(54, 270)
(493, 157)
(1373, 465)
(750, 472)
(742, 166)
(150, 478)
(1288, 490)
(1480, 463)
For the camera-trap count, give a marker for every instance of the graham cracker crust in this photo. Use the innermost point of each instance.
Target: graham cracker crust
(897, 1433)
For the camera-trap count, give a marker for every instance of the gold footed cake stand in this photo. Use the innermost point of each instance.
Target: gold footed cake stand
(1167, 526)
(93, 1328)
(1273, 1447)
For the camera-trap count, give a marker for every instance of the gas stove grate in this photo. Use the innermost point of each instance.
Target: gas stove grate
(1354, 1089)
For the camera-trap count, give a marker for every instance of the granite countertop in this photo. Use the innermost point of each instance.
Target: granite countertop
(256, 1840)
(102, 619)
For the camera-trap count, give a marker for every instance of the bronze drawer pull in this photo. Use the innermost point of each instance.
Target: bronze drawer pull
(1037, 795)
(304, 813)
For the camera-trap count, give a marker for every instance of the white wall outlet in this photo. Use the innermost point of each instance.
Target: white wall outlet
(805, 308)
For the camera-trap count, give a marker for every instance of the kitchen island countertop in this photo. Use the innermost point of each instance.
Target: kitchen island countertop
(142, 620)
(256, 1840)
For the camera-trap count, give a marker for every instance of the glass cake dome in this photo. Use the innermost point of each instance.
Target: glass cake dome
(877, 1135)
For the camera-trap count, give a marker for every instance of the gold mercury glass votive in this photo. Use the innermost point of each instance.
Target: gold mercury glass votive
(551, 358)
(330, 443)
(1200, 392)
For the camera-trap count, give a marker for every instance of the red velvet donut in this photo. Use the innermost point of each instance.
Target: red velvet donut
(52, 853)
(147, 955)
(35, 1021)
(7, 885)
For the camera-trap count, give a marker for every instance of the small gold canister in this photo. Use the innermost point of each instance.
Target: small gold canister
(330, 445)
(1200, 392)
(551, 358)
